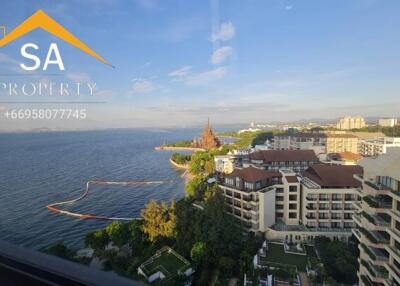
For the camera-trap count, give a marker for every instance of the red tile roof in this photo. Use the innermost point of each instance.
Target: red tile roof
(284, 155)
(252, 174)
(334, 176)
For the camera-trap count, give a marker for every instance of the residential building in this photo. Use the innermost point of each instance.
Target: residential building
(320, 143)
(224, 163)
(275, 160)
(250, 196)
(348, 122)
(378, 145)
(287, 206)
(378, 220)
(387, 122)
(338, 143)
(329, 192)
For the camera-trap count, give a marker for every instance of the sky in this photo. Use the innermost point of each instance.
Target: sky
(179, 62)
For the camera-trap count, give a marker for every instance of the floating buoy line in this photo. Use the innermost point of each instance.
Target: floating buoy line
(54, 207)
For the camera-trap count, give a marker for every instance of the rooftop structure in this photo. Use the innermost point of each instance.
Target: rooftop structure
(274, 160)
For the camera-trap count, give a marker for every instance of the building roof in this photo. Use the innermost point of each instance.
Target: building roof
(252, 174)
(284, 155)
(341, 135)
(292, 179)
(345, 156)
(385, 164)
(334, 176)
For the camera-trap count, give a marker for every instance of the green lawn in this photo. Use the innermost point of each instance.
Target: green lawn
(276, 254)
(168, 261)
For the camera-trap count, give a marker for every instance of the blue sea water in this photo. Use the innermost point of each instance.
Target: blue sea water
(40, 168)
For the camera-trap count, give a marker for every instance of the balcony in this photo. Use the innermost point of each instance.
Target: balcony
(375, 202)
(311, 198)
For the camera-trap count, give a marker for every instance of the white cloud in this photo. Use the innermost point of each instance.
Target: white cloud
(181, 72)
(207, 76)
(224, 33)
(142, 86)
(220, 55)
(79, 77)
(289, 7)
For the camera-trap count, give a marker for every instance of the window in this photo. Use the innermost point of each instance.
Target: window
(292, 206)
(248, 186)
(292, 188)
(292, 215)
(292, 197)
(229, 181)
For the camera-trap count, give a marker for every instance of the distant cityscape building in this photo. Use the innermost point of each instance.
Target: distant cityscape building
(378, 220)
(208, 139)
(348, 122)
(377, 146)
(320, 143)
(387, 122)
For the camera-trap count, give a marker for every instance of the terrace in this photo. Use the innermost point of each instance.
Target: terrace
(276, 256)
(164, 264)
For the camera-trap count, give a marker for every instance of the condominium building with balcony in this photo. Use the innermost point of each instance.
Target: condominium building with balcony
(275, 160)
(378, 145)
(378, 220)
(286, 205)
(348, 122)
(250, 196)
(329, 193)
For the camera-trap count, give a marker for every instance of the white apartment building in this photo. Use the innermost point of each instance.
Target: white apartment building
(387, 122)
(378, 145)
(224, 163)
(378, 220)
(285, 205)
(348, 122)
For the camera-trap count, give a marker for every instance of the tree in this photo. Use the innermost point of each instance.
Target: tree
(118, 233)
(158, 220)
(97, 240)
(202, 163)
(196, 186)
(61, 250)
(198, 252)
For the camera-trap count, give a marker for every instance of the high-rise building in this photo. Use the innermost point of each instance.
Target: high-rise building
(348, 122)
(378, 220)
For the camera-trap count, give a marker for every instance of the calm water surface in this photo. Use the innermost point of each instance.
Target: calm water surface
(40, 168)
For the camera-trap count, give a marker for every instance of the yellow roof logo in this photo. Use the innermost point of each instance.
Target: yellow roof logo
(41, 20)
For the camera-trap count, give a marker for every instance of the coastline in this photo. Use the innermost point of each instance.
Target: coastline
(173, 148)
(186, 175)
